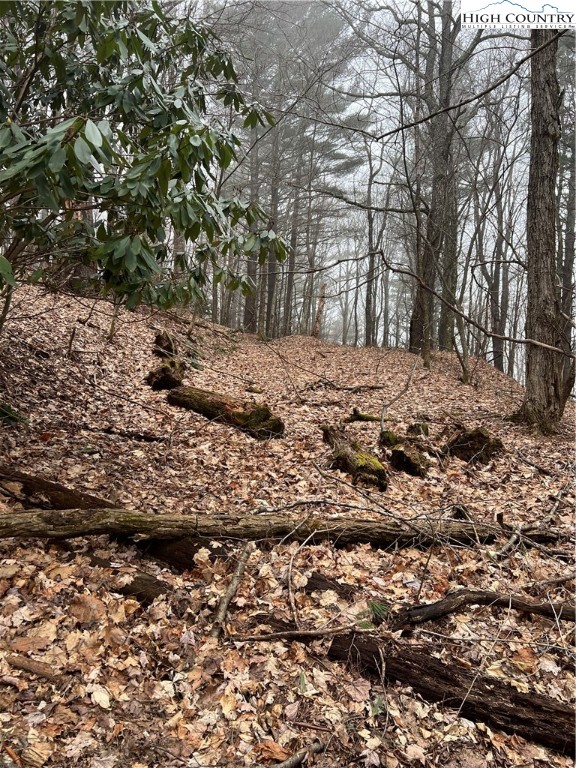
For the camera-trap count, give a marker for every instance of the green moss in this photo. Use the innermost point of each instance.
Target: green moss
(388, 438)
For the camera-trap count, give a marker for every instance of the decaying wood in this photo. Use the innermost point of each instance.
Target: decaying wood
(169, 375)
(218, 625)
(409, 459)
(357, 415)
(39, 492)
(457, 600)
(254, 418)
(474, 695)
(298, 757)
(342, 530)
(164, 345)
(474, 446)
(351, 457)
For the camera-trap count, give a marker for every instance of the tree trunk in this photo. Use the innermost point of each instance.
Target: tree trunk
(473, 695)
(548, 384)
(254, 418)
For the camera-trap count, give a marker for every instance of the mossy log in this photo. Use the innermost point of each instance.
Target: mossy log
(408, 459)
(254, 418)
(342, 530)
(475, 696)
(358, 415)
(474, 446)
(351, 457)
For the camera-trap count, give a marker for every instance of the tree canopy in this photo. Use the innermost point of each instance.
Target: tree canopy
(108, 149)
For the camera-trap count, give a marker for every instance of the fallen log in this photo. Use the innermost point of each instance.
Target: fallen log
(351, 457)
(254, 418)
(476, 696)
(39, 492)
(342, 530)
(454, 602)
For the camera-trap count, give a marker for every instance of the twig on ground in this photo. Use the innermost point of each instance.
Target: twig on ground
(299, 757)
(232, 587)
(539, 585)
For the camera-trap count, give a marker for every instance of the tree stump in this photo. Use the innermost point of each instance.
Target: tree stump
(474, 446)
(168, 376)
(164, 345)
(408, 459)
(351, 457)
(254, 418)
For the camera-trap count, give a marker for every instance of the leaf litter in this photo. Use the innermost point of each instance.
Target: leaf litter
(147, 686)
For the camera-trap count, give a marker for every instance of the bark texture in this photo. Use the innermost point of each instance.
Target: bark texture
(351, 457)
(475, 696)
(548, 381)
(37, 492)
(342, 530)
(254, 418)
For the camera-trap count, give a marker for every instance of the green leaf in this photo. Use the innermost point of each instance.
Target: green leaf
(57, 160)
(6, 273)
(82, 151)
(93, 134)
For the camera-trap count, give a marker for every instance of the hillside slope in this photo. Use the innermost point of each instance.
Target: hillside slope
(147, 686)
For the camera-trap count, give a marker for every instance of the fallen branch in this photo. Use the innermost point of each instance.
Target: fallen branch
(299, 757)
(38, 491)
(218, 625)
(476, 696)
(538, 585)
(457, 600)
(39, 668)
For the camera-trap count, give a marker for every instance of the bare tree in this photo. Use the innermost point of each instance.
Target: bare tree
(548, 381)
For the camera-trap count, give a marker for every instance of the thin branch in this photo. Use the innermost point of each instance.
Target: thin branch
(231, 591)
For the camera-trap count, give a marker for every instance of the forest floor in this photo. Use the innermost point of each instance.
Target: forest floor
(145, 686)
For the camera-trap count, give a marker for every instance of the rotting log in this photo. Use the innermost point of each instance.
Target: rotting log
(476, 696)
(342, 530)
(39, 492)
(254, 418)
(351, 457)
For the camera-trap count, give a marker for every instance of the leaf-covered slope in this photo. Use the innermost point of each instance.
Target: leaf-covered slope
(147, 686)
